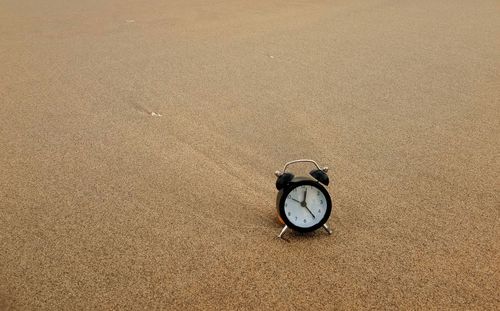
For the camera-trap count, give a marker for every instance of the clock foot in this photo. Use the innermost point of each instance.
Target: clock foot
(282, 231)
(327, 228)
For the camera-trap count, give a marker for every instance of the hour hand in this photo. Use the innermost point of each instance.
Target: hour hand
(295, 200)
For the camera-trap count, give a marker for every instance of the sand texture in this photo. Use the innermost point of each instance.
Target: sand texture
(138, 142)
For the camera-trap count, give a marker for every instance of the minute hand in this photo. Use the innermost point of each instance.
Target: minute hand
(307, 208)
(304, 204)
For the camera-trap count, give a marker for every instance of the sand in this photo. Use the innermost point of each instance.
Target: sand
(105, 205)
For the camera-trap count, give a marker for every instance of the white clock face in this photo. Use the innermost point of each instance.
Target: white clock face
(305, 206)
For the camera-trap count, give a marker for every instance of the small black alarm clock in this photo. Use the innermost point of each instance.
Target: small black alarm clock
(303, 203)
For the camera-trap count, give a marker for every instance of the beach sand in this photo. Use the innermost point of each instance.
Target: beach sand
(138, 141)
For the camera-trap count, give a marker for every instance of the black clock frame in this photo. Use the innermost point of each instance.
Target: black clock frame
(294, 183)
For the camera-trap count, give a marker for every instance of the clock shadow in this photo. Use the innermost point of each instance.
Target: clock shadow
(309, 235)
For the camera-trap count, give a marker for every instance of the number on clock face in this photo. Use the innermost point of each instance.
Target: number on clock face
(305, 206)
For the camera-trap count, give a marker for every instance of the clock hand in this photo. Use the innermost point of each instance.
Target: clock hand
(310, 212)
(295, 200)
(304, 204)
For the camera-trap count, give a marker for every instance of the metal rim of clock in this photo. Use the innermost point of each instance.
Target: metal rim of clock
(320, 224)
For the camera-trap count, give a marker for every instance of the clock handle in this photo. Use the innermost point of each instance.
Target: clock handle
(324, 169)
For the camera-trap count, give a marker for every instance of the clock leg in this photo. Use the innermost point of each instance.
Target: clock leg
(327, 228)
(282, 231)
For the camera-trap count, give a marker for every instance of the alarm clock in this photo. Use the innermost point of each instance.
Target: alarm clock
(303, 203)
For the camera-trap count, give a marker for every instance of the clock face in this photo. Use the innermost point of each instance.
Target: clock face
(307, 205)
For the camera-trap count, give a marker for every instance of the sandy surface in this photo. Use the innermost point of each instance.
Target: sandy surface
(103, 206)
